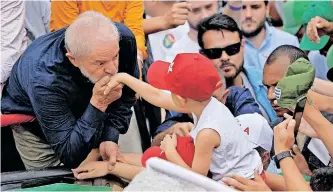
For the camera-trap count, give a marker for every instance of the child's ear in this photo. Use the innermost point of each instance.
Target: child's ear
(182, 101)
(225, 95)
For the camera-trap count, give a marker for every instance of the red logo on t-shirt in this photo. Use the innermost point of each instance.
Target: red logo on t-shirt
(247, 130)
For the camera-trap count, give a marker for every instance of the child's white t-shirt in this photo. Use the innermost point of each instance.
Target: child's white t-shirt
(234, 155)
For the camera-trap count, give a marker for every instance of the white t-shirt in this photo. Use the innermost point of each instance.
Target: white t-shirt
(161, 42)
(183, 45)
(234, 155)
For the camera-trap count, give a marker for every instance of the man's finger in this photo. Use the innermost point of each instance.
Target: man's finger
(296, 149)
(103, 152)
(180, 18)
(111, 85)
(182, 11)
(80, 169)
(286, 115)
(185, 130)
(179, 131)
(291, 127)
(314, 29)
(184, 5)
(104, 81)
(86, 175)
(283, 124)
(75, 173)
(257, 177)
(233, 183)
(119, 87)
(112, 158)
(240, 179)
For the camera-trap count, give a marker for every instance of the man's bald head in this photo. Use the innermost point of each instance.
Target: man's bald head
(276, 66)
(292, 52)
(88, 31)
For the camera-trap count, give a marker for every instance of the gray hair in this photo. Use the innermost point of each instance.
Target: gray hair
(89, 29)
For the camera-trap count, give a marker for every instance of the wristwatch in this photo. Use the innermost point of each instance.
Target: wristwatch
(277, 158)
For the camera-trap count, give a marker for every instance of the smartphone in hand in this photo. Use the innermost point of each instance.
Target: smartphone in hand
(298, 113)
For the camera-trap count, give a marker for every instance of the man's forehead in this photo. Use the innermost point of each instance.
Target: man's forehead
(224, 34)
(273, 73)
(252, 2)
(199, 4)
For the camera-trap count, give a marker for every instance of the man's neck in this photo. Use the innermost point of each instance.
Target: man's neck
(238, 81)
(193, 35)
(257, 40)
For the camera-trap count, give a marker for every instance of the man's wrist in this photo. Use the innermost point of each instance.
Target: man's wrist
(330, 31)
(280, 150)
(285, 160)
(99, 106)
(165, 25)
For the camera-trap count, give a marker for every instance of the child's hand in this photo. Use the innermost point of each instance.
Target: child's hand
(114, 82)
(169, 143)
(91, 169)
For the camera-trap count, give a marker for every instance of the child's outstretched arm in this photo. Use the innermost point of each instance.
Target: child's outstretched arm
(149, 93)
(96, 169)
(206, 141)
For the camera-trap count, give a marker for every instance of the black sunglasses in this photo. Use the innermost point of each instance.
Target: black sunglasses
(216, 53)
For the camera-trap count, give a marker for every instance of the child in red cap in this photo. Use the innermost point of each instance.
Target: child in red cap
(220, 146)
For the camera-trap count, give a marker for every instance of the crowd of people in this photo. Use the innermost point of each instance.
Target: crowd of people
(246, 87)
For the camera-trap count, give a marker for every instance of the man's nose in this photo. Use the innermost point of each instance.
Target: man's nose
(111, 69)
(224, 56)
(271, 94)
(205, 14)
(247, 13)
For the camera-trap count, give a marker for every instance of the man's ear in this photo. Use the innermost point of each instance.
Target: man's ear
(243, 43)
(72, 59)
(225, 95)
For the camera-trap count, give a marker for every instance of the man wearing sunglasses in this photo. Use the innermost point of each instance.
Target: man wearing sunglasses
(221, 41)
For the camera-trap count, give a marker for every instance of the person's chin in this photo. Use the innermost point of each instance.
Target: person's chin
(229, 75)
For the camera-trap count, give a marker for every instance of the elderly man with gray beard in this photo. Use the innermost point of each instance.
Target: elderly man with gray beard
(60, 79)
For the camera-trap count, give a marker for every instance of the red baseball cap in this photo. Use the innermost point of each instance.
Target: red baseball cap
(190, 75)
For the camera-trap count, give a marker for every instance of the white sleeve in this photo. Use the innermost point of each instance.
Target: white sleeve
(46, 14)
(13, 35)
(296, 43)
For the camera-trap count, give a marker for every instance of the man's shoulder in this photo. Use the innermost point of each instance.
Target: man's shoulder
(44, 61)
(123, 30)
(282, 35)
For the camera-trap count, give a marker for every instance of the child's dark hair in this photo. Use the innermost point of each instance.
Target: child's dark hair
(322, 179)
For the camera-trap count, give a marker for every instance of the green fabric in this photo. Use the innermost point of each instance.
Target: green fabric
(67, 187)
(306, 178)
(322, 9)
(292, 23)
(307, 45)
(296, 82)
(329, 58)
(299, 7)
